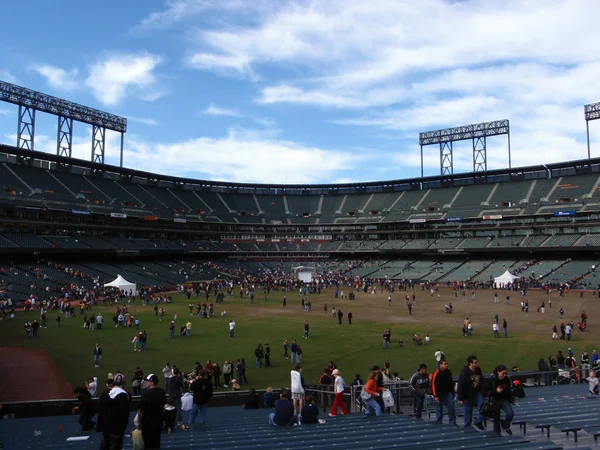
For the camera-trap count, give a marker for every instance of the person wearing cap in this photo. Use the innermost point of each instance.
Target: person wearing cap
(114, 415)
(150, 412)
(338, 388)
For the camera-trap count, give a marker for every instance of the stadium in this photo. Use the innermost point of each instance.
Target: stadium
(155, 268)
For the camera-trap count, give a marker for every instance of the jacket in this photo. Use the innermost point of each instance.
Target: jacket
(114, 411)
(442, 383)
(469, 383)
(492, 385)
(202, 390)
(372, 388)
(419, 383)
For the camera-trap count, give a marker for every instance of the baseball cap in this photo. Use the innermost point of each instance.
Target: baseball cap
(119, 379)
(335, 372)
(375, 367)
(153, 378)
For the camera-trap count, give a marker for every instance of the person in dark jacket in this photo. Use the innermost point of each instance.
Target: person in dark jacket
(174, 392)
(499, 386)
(151, 412)
(543, 367)
(114, 415)
(202, 391)
(419, 383)
(252, 401)
(85, 408)
(310, 411)
(443, 393)
(470, 382)
(284, 411)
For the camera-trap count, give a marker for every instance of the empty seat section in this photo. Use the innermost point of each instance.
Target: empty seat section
(512, 192)
(355, 203)
(438, 198)
(561, 240)
(382, 201)
(42, 180)
(27, 240)
(573, 188)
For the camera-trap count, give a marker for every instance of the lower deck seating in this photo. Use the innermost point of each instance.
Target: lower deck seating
(233, 427)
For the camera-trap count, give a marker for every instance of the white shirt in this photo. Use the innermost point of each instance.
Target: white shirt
(495, 326)
(296, 381)
(231, 325)
(339, 385)
(168, 371)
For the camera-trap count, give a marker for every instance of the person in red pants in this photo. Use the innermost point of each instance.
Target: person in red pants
(338, 388)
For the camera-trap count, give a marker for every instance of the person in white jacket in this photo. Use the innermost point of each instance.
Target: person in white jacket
(297, 389)
(338, 389)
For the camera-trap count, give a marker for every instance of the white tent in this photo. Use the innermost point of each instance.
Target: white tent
(505, 279)
(122, 284)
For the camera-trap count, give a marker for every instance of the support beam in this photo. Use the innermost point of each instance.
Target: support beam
(479, 154)
(26, 130)
(446, 158)
(64, 140)
(122, 142)
(98, 144)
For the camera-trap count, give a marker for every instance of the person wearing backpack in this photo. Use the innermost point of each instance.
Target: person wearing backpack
(499, 388)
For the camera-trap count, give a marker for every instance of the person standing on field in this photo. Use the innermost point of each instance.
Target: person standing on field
(97, 355)
(338, 388)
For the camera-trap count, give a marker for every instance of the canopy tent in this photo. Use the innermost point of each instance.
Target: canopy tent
(122, 284)
(505, 279)
(304, 273)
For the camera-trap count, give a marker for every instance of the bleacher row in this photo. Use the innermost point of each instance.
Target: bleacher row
(111, 242)
(22, 279)
(135, 197)
(235, 428)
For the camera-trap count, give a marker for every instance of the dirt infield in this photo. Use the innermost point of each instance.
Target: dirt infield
(30, 374)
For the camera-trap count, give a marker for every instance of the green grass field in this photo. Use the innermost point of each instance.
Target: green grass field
(355, 348)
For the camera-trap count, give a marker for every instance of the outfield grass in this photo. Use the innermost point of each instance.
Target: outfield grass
(355, 348)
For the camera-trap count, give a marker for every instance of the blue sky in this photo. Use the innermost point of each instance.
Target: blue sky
(309, 91)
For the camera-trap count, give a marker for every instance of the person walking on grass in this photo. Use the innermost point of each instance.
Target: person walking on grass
(97, 355)
(338, 389)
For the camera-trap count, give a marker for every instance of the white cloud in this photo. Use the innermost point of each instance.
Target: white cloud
(244, 156)
(7, 76)
(179, 10)
(213, 110)
(143, 121)
(5, 112)
(121, 75)
(57, 78)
